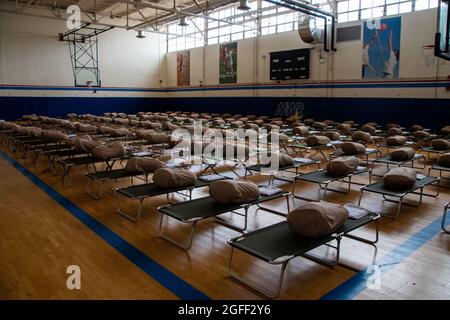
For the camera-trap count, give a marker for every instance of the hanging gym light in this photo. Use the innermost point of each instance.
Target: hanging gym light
(183, 22)
(140, 34)
(243, 5)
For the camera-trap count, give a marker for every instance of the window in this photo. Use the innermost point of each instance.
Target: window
(353, 10)
(182, 38)
(229, 24)
(242, 24)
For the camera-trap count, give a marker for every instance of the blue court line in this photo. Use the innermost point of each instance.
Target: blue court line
(358, 283)
(170, 281)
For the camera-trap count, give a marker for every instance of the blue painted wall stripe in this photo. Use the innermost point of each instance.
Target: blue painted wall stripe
(300, 86)
(170, 281)
(358, 283)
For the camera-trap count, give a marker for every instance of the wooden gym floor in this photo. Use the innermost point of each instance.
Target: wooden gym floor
(40, 238)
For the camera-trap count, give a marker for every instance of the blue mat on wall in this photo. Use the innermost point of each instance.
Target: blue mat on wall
(432, 113)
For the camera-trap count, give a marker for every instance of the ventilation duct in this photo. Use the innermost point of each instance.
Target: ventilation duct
(310, 28)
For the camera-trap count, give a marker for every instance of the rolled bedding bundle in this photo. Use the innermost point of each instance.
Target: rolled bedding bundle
(283, 160)
(361, 136)
(105, 129)
(276, 136)
(278, 123)
(319, 125)
(270, 127)
(173, 178)
(400, 178)
(83, 143)
(120, 132)
(236, 124)
(333, 135)
(252, 126)
(233, 191)
(353, 148)
(35, 132)
(54, 135)
(151, 125)
(446, 130)
(342, 166)
(343, 127)
(86, 128)
(392, 125)
(421, 135)
(444, 160)
(317, 219)
(329, 123)
(109, 151)
(396, 141)
(372, 124)
(143, 164)
(141, 133)
(71, 115)
(394, 131)
(440, 144)
(369, 129)
(309, 121)
(157, 138)
(403, 154)
(218, 122)
(301, 130)
(416, 127)
(350, 122)
(313, 141)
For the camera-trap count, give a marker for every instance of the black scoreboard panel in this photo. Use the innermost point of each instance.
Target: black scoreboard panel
(288, 65)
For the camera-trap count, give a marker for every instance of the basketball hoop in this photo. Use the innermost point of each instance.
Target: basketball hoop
(428, 56)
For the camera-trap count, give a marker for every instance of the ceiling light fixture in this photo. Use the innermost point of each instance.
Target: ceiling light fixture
(183, 22)
(243, 5)
(140, 34)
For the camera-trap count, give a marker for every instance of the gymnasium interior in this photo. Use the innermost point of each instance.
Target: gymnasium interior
(224, 150)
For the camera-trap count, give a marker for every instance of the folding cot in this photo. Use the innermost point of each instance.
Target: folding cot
(101, 177)
(193, 211)
(37, 149)
(409, 144)
(317, 149)
(421, 182)
(440, 169)
(149, 190)
(69, 163)
(54, 155)
(365, 155)
(323, 179)
(278, 245)
(387, 160)
(430, 149)
(297, 165)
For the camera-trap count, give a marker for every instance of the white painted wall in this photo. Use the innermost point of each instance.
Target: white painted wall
(418, 29)
(30, 54)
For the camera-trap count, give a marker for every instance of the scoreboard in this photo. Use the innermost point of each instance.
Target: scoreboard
(289, 65)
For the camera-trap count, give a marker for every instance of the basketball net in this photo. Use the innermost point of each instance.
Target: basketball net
(428, 56)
